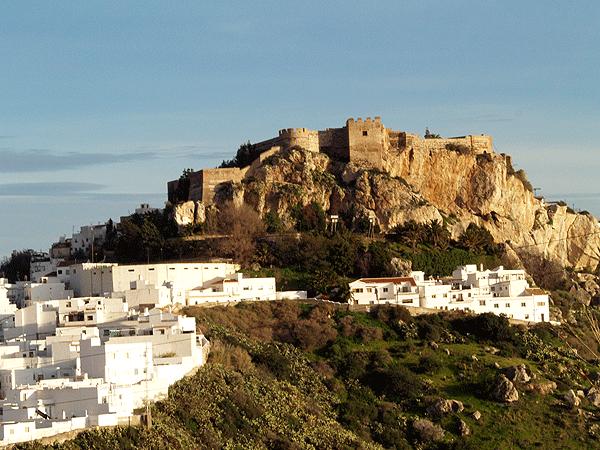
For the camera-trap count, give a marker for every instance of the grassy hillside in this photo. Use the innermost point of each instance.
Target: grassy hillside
(288, 375)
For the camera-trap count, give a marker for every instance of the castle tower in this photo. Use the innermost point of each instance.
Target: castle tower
(366, 140)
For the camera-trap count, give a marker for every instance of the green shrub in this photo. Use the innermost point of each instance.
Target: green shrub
(461, 149)
(487, 327)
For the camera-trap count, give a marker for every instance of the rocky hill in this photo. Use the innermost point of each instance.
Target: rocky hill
(452, 185)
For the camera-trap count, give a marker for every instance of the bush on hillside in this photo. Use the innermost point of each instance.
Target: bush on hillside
(487, 327)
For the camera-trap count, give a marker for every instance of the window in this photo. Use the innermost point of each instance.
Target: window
(434, 296)
(365, 133)
(385, 289)
(496, 305)
(369, 290)
(481, 302)
(68, 304)
(507, 305)
(407, 300)
(541, 303)
(90, 317)
(523, 304)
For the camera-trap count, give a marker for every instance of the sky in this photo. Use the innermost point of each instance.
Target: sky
(103, 102)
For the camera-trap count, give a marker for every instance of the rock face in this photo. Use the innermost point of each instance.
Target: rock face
(189, 213)
(422, 184)
(505, 391)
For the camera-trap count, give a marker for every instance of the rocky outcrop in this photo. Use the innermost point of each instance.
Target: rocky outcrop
(463, 428)
(593, 396)
(189, 213)
(421, 184)
(443, 407)
(542, 387)
(517, 374)
(505, 391)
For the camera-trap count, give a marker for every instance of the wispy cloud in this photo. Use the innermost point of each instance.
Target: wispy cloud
(43, 160)
(48, 189)
(12, 161)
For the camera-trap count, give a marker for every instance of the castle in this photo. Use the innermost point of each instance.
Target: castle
(359, 141)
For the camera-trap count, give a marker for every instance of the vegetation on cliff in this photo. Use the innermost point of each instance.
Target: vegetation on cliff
(289, 375)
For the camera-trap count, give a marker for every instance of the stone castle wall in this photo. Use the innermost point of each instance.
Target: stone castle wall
(363, 141)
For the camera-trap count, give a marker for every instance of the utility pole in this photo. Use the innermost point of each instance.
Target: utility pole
(148, 409)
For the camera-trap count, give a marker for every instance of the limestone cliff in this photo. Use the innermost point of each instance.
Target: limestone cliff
(422, 184)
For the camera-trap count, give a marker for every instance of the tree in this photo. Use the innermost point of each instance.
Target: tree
(243, 226)
(430, 135)
(410, 234)
(245, 155)
(438, 235)
(477, 239)
(182, 192)
(311, 217)
(16, 268)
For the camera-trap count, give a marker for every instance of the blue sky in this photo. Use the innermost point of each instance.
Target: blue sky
(102, 102)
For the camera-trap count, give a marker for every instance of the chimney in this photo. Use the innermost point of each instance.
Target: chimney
(481, 267)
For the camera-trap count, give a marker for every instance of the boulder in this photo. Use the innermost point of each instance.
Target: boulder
(476, 415)
(542, 387)
(427, 431)
(463, 428)
(593, 396)
(442, 407)
(517, 374)
(505, 391)
(434, 345)
(571, 399)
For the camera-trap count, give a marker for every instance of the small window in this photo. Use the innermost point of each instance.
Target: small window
(385, 289)
(90, 317)
(507, 305)
(481, 302)
(365, 133)
(523, 304)
(496, 305)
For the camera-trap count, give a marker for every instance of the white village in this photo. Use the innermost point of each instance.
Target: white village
(91, 344)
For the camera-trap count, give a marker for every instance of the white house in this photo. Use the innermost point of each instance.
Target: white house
(390, 290)
(233, 288)
(88, 236)
(86, 374)
(96, 279)
(499, 291)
